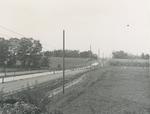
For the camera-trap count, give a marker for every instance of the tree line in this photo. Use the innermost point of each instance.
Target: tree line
(27, 53)
(71, 53)
(124, 55)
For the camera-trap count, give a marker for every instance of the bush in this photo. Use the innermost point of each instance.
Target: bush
(59, 67)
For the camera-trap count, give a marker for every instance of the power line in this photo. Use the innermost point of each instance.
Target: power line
(12, 31)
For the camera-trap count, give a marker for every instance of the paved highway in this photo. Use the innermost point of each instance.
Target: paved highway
(19, 84)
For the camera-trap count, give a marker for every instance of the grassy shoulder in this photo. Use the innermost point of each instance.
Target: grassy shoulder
(129, 62)
(108, 90)
(64, 102)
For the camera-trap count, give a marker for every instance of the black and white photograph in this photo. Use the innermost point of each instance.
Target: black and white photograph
(74, 56)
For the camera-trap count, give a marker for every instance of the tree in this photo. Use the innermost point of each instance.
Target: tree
(58, 53)
(13, 50)
(45, 61)
(29, 52)
(72, 53)
(24, 48)
(4, 52)
(35, 53)
(48, 53)
(86, 54)
(145, 56)
(120, 55)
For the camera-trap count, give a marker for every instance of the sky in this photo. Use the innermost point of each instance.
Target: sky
(107, 25)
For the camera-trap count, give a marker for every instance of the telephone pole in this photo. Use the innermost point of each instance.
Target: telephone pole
(63, 61)
(90, 52)
(103, 58)
(148, 66)
(98, 53)
(5, 63)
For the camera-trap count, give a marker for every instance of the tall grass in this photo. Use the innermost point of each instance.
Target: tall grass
(129, 62)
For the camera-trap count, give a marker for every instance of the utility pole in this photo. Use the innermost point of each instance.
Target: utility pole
(15, 67)
(103, 59)
(98, 58)
(98, 53)
(148, 65)
(90, 56)
(103, 55)
(90, 52)
(5, 63)
(4, 74)
(63, 61)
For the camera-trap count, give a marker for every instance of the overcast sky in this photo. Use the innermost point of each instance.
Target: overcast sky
(105, 24)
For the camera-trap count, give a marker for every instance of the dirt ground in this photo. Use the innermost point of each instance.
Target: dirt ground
(109, 90)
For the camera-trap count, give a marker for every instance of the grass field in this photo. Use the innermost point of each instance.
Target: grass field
(109, 90)
(129, 62)
(69, 62)
(106, 90)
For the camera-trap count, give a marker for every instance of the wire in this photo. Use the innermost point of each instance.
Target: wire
(20, 34)
(11, 31)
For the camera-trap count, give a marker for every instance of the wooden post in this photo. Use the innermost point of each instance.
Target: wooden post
(63, 61)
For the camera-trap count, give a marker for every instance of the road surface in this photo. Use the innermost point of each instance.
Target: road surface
(34, 79)
(21, 72)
